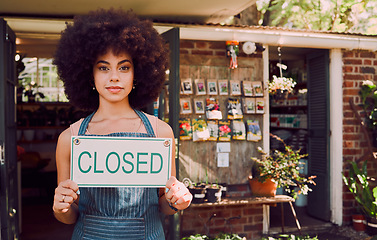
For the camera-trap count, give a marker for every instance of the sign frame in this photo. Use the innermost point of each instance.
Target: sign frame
(145, 142)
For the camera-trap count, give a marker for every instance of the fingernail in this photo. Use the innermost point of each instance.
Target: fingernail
(175, 203)
(166, 190)
(78, 192)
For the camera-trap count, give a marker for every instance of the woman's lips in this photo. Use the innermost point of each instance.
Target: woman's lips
(114, 89)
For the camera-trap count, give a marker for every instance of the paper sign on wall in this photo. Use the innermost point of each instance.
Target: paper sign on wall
(120, 161)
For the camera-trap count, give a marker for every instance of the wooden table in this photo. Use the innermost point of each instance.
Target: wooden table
(266, 202)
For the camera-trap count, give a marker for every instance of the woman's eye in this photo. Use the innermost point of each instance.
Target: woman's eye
(103, 68)
(124, 68)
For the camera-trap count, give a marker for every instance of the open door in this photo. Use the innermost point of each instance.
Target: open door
(8, 149)
(318, 126)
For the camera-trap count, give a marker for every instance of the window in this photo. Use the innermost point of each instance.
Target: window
(39, 81)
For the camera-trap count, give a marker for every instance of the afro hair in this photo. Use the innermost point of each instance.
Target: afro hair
(121, 31)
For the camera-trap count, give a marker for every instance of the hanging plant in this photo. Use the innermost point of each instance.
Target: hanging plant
(280, 85)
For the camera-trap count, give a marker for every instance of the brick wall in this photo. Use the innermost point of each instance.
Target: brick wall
(245, 220)
(358, 67)
(207, 59)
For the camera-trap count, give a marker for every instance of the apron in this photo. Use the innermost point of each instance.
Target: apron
(119, 212)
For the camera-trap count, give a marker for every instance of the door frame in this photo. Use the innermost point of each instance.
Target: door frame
(336, 137)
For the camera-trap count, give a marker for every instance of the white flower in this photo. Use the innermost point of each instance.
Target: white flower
(368, 82)
(281, 83)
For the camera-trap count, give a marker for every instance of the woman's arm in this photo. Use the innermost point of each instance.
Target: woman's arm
(65, 206)
(176, 193)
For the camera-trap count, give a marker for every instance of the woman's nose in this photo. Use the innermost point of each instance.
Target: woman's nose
(114, 76)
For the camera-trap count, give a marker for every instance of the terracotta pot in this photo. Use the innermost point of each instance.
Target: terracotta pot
(358, 222)
(265, 189)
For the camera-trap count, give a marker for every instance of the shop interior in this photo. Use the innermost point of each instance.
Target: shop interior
(43, 113)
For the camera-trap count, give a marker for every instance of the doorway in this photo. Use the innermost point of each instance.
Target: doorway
(302, 121)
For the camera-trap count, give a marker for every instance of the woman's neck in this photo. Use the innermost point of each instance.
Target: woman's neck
(115, 111)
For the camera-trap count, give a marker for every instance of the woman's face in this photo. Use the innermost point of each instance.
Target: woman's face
(113, 76)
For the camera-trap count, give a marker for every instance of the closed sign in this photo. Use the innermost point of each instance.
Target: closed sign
(120, 161)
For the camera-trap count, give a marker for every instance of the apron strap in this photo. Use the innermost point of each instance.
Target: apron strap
(146, 122)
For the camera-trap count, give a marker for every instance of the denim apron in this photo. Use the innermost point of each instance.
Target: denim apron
(119, 212)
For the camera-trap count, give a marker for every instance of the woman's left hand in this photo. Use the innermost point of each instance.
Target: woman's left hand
(177, 194)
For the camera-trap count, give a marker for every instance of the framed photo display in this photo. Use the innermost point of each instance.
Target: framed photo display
(185, 105)
(223, 87)
(259, 105)
(249, 105)
(258, 89)
(199, 106)
(235, 87)
(186, 85)
(200, 87)
(247, 89)
(212, 86)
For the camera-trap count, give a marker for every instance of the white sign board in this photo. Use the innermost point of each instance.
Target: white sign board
(120, 161)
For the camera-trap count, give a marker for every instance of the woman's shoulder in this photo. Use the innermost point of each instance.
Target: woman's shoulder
(161, 128)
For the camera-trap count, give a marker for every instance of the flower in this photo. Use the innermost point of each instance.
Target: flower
(282, 84)
(368, 95)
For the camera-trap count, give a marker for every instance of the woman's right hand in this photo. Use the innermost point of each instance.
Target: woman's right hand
(65, 195)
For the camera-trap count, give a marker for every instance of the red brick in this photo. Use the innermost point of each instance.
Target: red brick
(186, 44)
(220, 53)
(349, 129)
(350, 91)
(202, 52)
(353, 77)
(368, 54)
(348, 144)
(353, 61)
(348, 69)
(256, 227)
(201, 44)
(348, 54)
(217, 45)
(367, 62)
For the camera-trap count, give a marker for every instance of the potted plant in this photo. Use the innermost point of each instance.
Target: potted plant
(31, 94)
(213, 193)
(365, 195)
(198, 190)
(281, 168)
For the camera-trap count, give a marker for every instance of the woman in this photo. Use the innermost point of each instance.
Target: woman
(113, 64)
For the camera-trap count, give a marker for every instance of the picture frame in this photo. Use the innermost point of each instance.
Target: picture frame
(258, 89)
(248, 90)
(212, 86)
(235, 87)
(199, 106)
(186, 85)
(223, 87)
(200, 87)
(249, 105)
(185, 105)
(259, 105)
